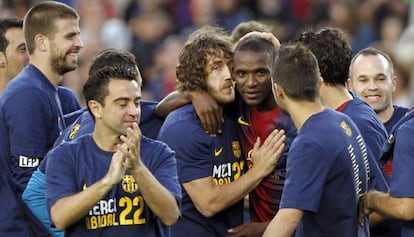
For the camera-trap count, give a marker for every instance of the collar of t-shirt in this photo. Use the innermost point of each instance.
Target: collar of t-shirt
(342, 107)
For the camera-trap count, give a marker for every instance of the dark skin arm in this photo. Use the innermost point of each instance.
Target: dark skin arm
(206, 107)
(171, 102)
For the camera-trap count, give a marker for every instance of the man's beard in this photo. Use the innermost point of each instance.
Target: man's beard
(60, 65)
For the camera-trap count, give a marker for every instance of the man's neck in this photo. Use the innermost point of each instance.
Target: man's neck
(44, 66)
(386, 114)
(267, 105)
(106, 142)
(334, 96)
(301, 111)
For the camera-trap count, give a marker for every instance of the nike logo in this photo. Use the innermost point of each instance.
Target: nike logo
(218, 152)
(241, 121)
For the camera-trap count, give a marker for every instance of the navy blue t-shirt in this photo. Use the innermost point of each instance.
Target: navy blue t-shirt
(30, 122)
(327, 170)
(368, 123)
(374, 134)
(82, 123)
(403, 175)
(198, 156)
(399, 112)
(68, 100)
(75, 165)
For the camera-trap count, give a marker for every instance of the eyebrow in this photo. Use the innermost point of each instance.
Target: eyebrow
(126, 99)
(217, 61)
(71, 33)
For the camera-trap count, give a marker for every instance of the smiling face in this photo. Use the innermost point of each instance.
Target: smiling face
(252, 73)
(219, 82)
(372, 80)
(65, 46)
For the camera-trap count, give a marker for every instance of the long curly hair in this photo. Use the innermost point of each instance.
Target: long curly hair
(192, 67)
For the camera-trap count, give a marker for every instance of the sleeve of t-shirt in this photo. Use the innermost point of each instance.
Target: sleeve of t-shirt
(27, 115)
(165, 170)
(192, 150)
(374, 141)
(307, 171)
(60, 179)
(403, 175)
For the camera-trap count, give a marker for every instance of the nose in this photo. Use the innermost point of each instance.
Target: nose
(251, 80)
(372, 85)
(78, 42)
(227, 72)
(133, 110)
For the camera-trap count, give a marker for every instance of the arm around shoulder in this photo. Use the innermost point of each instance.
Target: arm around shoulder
(171, 102)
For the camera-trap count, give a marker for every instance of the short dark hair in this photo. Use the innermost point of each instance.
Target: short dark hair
(41, 18)
(257, 45)
(373, 52)
(107, 65)
(5, 25)
(333, 51)
(296, 71)
(192, 67)
(248, 26)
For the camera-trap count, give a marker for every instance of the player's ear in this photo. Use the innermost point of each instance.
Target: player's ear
(96, 109)
(349, 84)
(278, 90)
(321, 82)
(394, 82)
(3, 60)
(40, 41)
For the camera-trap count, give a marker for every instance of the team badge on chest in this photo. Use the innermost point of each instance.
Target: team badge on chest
(236, 149)
(128, 184)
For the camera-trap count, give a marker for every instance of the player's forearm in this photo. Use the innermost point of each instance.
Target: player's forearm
(171, 102)
(284, 223)
(221, 197)
(159, 199)
(391, 207)
(279, 230)
(70, 209)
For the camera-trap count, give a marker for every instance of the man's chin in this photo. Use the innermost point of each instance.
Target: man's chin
(252, 102)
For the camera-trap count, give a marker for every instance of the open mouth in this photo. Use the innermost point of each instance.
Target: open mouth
(372, 97)
(251, 95)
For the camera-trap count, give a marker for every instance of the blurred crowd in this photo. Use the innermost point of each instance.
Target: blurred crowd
(155, 30)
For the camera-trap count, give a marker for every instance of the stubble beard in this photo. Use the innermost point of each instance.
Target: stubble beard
(60, 64)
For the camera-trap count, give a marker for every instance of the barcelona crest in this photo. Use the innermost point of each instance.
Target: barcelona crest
(346, 128)
(236, 149)
(128, 184)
